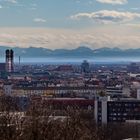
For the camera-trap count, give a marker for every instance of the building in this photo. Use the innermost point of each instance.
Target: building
(2, 67)
(65, 68)
(7, 89)
(114, 90)
(133, 67)
(9, 54)
(85, 67)
(86, 92)
(119, 110)
(63, 103)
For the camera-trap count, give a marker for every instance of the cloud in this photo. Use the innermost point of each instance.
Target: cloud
(11, 1)
(133, 25)
(33, 6)
(106, 16)
(135, 8)
(41, 20)
(125, 37)
(114, 2)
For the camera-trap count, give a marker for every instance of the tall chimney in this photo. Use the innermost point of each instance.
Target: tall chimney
(9, 60)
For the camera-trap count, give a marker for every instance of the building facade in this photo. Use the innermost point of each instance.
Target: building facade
(110, 111)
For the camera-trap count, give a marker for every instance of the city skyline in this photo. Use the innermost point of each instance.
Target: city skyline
(69, 24)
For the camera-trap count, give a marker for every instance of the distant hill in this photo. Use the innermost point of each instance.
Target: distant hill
(80, 52)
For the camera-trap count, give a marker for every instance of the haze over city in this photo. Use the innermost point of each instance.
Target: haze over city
(69, 24)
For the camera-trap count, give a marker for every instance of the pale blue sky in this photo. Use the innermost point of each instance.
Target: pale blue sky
(56, 13)
(70, 23)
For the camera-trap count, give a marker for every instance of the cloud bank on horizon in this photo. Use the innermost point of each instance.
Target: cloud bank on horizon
(69, 24)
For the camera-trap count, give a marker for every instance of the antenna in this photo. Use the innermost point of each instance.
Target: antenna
(19, 60)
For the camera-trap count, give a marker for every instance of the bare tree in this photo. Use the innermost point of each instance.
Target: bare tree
(41, 122)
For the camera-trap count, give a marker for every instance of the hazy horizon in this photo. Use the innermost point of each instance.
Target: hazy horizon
(102, 60)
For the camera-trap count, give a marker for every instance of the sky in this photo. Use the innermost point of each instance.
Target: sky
(69, 24)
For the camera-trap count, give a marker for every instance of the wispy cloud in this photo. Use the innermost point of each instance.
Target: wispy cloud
(11, 1)
(41, 20)
(135, 8)
(106, 16)
(33, 6)
(114, 2)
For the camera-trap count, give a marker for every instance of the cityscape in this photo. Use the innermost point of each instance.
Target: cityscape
(69, 70)
(108, 92)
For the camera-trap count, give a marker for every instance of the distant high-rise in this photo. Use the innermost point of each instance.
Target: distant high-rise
(85, 66)
(9, 60)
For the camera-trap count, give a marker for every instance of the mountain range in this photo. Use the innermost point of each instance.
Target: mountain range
(80, 52)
